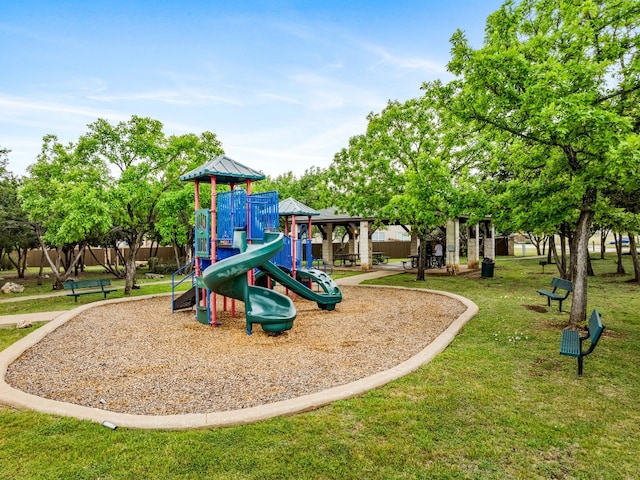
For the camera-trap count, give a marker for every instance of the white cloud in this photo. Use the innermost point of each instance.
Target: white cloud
(172, 97)
(405, 64)
(10, 106)
(279, 98)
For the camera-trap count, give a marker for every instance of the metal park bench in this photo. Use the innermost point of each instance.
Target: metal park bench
(88, 287)
(571, 341)
(558, 284)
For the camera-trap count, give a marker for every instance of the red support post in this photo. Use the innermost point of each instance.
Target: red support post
(213, 320)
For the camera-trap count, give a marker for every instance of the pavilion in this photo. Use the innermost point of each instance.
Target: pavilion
(479, 236)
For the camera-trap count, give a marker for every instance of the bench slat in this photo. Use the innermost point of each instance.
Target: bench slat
(570, 343)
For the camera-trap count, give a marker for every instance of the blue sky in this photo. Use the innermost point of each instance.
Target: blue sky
(283, 84)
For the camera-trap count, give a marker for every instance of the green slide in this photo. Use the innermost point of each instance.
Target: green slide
(326, 300)
(274, 311)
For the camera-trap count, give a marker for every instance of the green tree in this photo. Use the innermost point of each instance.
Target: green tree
(625, 197)
(175, 221)
(402, 168)
(550, 75)
(67, 201)
(311, 188)
(145, 165)
(16, 235)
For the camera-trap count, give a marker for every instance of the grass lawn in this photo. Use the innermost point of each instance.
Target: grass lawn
(499, 403)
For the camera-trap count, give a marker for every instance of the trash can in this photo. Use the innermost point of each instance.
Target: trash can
(487, 267)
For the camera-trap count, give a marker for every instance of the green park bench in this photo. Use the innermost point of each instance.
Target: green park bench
(571, 341)
(557, 285)
(88, 287)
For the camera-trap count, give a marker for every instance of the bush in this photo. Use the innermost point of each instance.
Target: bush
(165, 268)
(153, 264)
(5, 263)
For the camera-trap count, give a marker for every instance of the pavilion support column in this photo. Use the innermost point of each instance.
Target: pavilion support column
(452, 247)
(473, 247)
(511, 246)
(365, 246)
(490, 241)
(327, 244)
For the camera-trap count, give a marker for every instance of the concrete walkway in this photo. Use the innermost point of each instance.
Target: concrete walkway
(12, 320)
(20, 399)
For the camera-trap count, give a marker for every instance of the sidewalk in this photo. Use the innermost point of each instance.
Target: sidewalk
(12, 320)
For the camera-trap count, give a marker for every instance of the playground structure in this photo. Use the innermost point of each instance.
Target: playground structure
(236, 241)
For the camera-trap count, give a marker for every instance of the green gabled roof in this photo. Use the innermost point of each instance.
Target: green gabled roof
(224, 169)
(291, 206)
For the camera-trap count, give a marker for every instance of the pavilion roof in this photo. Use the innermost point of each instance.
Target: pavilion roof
(224, 169)
(291, 206)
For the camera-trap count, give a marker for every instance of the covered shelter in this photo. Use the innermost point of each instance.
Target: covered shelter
(480, 238)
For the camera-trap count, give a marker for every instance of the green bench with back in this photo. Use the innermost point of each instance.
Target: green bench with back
(88, 287)
(571, 343)
(558, 285)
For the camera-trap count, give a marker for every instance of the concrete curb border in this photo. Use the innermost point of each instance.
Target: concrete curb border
(22, 400)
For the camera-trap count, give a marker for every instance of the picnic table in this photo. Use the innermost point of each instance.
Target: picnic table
(379, 257)
(413, 260)
(346, 259)
(430, 261)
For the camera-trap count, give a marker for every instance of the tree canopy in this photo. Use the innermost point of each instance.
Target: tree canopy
(113, 182)
(550, 80)
(403, 169)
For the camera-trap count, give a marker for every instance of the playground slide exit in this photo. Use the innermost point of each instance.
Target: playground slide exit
(272, 310)
(325, 301)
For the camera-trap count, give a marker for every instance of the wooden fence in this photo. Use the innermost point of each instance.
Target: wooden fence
(164, 255)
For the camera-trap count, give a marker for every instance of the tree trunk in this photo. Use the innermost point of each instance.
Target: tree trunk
(58, 277)
(563, 254)
(580, 243)
(603, 242)
(557, 259)
(23, 263)
(422, 255)
(130, 268)
(618, 239)
(41, 270)
(176, 253)
(634, 257)
(129, 274)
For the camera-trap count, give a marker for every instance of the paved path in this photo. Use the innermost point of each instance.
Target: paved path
(12, 320)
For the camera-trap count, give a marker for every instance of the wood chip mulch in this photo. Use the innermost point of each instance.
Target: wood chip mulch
(139, 358)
